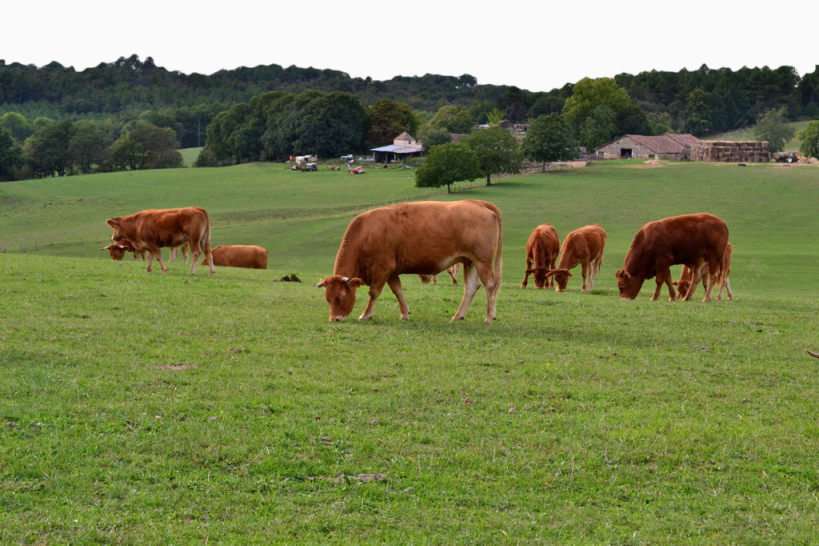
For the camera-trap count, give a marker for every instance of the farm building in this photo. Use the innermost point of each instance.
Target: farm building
(403, 146)
(667, 146)
(747, 151)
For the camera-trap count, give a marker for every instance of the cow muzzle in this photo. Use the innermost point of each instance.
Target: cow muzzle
(337, 318)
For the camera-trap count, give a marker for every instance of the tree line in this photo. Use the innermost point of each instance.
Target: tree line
(124, 115)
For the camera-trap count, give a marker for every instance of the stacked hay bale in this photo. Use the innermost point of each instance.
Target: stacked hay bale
(745, 151)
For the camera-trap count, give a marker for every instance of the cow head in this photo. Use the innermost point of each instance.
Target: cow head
(118, 233)
(628, 284)
(116, 251)
(539, 275)
(340, 294)
(682, 287)
(561, 278)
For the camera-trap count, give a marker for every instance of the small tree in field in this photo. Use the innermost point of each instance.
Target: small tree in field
(446, 164)
(772, 127)
(810, 140)
(497, 151)
(549, 138)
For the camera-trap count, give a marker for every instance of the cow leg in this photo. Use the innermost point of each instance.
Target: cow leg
(723, 285)
(585, 272)
(595, 269)
(471, 284)
(526, 278)
(492, 285)
(374, 292)
(395, 286)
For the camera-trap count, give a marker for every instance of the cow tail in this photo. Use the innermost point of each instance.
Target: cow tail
(499, 249)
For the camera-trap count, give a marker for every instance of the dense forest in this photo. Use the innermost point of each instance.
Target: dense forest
(113, 99)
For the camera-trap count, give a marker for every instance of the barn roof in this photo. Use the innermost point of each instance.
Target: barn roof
(668, 143)
(398, 149)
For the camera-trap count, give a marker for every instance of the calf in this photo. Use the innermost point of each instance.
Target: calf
(453, 274)
(541, 254)
(689, 279)
(582, 246)
(695, 240)
(249, 256)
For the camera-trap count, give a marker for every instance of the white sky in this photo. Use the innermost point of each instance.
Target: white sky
(535, 45)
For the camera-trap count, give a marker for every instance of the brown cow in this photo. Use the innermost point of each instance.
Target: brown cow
(541, 254)
(582, 246)
(419, 238)
(721, 276)
(453, 274)
(695, 240)
(152, 229)
(249, 256)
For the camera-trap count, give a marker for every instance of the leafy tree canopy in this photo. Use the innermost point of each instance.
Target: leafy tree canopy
(810, 140)
(447, 164)
(550, 138)
(773, 128)
(497, 151)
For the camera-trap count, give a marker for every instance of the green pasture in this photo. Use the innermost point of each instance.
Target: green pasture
(142, 408)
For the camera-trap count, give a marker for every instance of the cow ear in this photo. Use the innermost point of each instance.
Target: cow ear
(530, 271)
(355, 282)
(322, 283)
(568, 273)
(550, 273)
(113, 221)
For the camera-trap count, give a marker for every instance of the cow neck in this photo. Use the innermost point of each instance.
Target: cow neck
(347, 260)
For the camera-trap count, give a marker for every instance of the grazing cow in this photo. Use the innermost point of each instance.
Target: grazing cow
(582, 246)
(152, 229)
(541, 254)
(453, 274)
(249, 256)
(419, 238)
(695, 240)
(721, 276)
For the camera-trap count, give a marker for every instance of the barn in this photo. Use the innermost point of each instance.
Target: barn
(667, 146)
(403, 147)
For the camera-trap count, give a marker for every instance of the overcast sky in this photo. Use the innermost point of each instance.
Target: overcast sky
(535, 45)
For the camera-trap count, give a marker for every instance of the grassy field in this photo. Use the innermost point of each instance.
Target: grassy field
(140, 408)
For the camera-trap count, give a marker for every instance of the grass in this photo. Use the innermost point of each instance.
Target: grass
(141, 408)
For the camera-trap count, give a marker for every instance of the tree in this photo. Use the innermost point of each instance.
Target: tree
(550, 138)
(772, 127)
(497, 151)
(810, 140)
(446, 164)
(433, 135)
(454, 119)
(698, 113)
(599, 110)
(19, 127)
(87, 147)
(11, 156)
(388, 119)
(48, 150)
(147, 146)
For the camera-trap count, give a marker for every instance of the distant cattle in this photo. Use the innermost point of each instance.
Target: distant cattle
(695, 240)
(453, 274)
(422, 238)
(542, 249)
(150, 230)
(582, 246)
(687, 276)
(249, 256)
